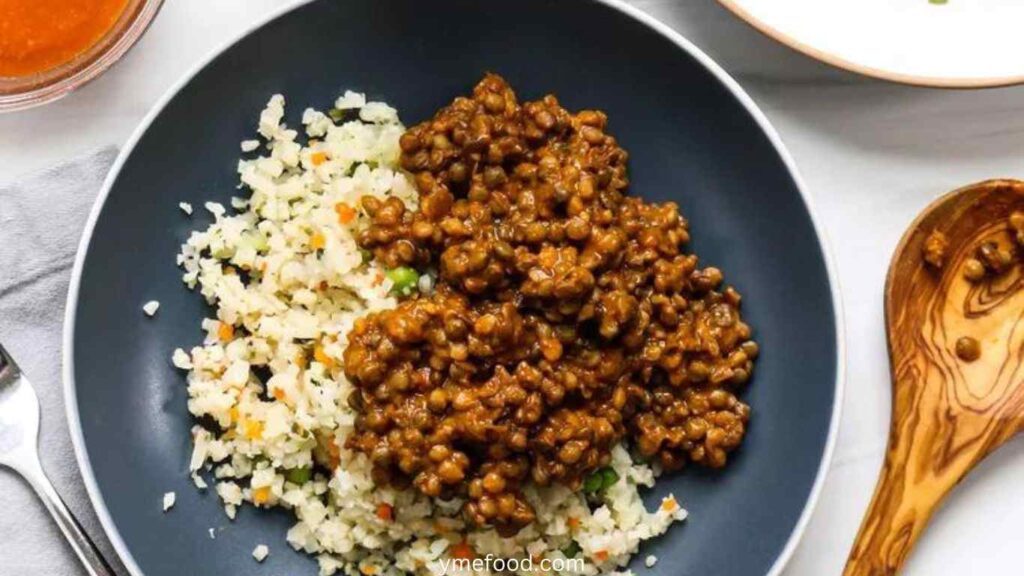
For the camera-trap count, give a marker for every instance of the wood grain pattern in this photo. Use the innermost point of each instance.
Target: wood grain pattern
(947, 414)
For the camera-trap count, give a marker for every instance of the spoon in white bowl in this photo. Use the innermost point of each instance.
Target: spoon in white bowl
(19, 438)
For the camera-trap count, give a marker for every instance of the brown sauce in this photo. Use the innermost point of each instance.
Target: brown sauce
(568, 316)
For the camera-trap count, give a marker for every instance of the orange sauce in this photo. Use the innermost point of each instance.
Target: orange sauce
(36, 35)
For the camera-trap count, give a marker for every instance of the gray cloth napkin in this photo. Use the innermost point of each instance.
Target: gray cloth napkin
(41, 220)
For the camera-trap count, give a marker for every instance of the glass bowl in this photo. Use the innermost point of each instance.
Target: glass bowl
(21, 92)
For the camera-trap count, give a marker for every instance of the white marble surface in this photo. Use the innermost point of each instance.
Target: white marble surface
(872, 154)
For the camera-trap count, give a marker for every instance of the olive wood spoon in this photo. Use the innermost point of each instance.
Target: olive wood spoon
(947, 414)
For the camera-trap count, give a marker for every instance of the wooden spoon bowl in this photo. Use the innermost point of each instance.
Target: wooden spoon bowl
(947, 413)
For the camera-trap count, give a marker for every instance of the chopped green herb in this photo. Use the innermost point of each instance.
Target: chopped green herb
(299, 475)
(404, 279)
(366, 254)
(255, 240)
(223, 253)
(571, 550)
(336, 115)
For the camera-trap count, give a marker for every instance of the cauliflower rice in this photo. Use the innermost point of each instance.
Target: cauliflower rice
(287, 281)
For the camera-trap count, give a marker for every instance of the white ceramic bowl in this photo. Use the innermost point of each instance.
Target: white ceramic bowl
(955, 44)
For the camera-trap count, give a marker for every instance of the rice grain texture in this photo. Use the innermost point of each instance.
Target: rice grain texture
(286, 279)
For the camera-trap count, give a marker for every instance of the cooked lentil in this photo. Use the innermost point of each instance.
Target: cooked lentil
(566, 316)
(995, 258)
(968, 349)
(1016, 221)
(935, 246)
(974, 270)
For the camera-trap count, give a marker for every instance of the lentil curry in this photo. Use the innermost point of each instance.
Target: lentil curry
(567, 316)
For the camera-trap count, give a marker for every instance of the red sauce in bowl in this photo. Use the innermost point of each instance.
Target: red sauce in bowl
(37, 35)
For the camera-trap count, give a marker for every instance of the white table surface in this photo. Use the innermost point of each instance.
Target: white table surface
(872, 155)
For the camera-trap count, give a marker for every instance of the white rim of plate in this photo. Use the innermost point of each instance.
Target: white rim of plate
(71, 307)
(837, 61)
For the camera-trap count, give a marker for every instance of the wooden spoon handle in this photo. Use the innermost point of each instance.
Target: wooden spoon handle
(904, 500)
(932, 446)
(948, 412)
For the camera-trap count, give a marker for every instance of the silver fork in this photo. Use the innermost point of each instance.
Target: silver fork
(19, 439)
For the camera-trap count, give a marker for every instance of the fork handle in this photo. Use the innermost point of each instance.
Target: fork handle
(90, 556)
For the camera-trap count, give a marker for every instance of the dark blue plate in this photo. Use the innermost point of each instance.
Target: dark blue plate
(694, 137)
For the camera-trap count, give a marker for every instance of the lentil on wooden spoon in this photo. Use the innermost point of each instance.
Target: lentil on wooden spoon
(955, 335)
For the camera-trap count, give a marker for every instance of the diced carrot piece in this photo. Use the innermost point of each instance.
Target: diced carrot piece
(462, 550)
(573, 522)
(225, 332)
(318, 158)
(317, 241)
(601, 555)
(320, 356)
(669, 504)
(279, 394)
(368, 570)
(253, 429)
(345, 212)
(261, 495)
(385, 512)
(334, 451)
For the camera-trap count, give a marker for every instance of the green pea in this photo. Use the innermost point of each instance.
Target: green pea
(608, 477)
(403, 279)
(299, 475)
(593, 482)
